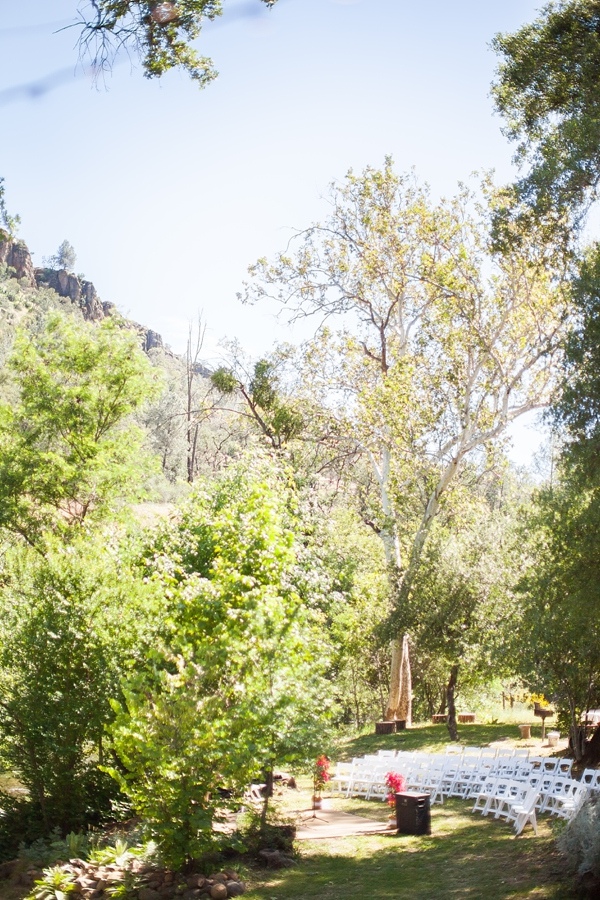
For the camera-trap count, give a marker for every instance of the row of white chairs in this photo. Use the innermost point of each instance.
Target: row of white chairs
(552, 794)
(472, 772)
(513, 801)
(449, 774)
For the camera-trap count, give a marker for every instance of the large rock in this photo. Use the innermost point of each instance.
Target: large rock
(15, 254)
(82, 293)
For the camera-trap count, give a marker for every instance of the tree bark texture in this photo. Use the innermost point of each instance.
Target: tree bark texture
(451, 697)
(400, 698)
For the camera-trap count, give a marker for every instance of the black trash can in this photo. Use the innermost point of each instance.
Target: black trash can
(413, 813)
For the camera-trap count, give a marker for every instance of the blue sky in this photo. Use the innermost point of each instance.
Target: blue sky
(168, 193)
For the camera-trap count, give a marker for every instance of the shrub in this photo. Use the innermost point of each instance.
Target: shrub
(235, 686)
(580, 840)
(20, 823)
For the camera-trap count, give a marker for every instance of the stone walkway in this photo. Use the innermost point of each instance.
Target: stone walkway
(328, 823)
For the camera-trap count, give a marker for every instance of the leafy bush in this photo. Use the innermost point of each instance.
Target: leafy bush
(56, 884)
(53, 849)
(20, 823)
(235, 687)
(580, 840)
(68, 621)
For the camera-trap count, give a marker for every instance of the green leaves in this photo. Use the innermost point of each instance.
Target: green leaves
(234, 685)
(546, 89)
(65, 450)
(558, 637)
(69, 620)
(161, 33)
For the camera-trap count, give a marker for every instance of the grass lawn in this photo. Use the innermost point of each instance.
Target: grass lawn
(434, 738)
(465, 856)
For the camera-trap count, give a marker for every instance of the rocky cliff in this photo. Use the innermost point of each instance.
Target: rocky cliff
(15, 255)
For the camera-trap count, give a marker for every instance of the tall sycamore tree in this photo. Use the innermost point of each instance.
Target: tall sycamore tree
(429, 345)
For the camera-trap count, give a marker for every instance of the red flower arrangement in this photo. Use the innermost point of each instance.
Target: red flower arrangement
(396, 783)
(321, 773)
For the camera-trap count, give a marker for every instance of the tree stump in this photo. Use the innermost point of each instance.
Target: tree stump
(385, 727)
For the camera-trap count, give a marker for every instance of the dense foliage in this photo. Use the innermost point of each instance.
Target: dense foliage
(234, 687)
(332, 498)
(557, 617)
(431, 358)
(66, 450)
(70, 622)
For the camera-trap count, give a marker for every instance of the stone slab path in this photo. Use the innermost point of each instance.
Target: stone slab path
(329, 823)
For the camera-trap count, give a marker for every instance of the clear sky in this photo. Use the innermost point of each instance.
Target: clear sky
(168, 193)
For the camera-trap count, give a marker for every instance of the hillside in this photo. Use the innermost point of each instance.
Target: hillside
(24, 288)
(182, 428)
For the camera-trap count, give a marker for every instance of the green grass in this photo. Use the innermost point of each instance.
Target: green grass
(433, 738)
(466, 856)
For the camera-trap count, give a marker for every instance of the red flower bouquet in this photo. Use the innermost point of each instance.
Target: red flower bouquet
(396, 784)
(321, 773)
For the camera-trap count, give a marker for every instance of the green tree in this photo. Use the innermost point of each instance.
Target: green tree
(557, 636)
(278, 420)
(461, 608)
(433, 356)
(161, 34)
(547, 90)
(576, 412)
(64, 258)
(235, 686)
(66, 449)
(8, 223)
(70, 620)
(342, 570)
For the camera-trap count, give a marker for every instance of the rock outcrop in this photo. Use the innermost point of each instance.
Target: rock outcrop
(15, 255)
(84, 295)
(81, 293)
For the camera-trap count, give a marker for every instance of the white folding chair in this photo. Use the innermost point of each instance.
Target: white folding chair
(514, 793)
(591, 779)
(570, 802)
(560, 787)
(564, 767)
(432, 782)
(501, 790)
(485, 793)
(341, 777)
(523, 811)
